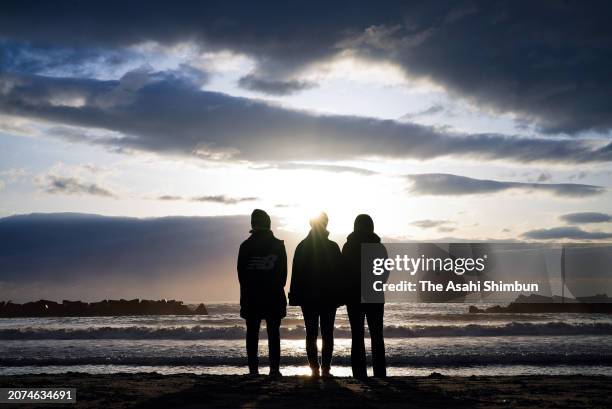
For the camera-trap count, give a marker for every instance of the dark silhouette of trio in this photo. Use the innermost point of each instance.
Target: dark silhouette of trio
(323, 278)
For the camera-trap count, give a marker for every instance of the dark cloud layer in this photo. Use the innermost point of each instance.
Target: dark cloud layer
(453, 185)
(569, 232)
(547, 62)
(164, 112)
(28, 58)
(93, 257)
(586, 217)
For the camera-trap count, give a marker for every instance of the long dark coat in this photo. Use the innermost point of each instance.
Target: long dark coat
(316, 276)
(262, 272)
(359, 287)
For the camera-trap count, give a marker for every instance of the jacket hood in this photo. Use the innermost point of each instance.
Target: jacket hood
(260, 220)
(363, 237)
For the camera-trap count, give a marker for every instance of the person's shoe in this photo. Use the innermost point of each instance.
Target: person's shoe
(253, 372)
(276, 374)
(315, 373)
(326, 373)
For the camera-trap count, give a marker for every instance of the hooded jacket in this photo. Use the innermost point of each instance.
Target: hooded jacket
(262, 272)
(360, 289)
(316, 276)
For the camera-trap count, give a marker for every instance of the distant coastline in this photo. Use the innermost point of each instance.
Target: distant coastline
(46, 308)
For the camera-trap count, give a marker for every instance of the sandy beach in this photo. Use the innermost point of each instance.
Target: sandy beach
(149, 390)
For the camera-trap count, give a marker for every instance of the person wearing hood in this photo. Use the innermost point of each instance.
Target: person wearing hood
(316, 280)
(362, 302)
(262, 272)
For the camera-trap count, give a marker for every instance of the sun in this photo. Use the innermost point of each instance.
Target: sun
(314, 192)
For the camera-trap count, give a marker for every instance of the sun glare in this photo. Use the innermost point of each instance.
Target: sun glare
(313, 192)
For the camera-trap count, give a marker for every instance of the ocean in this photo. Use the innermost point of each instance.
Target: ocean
(420, 339)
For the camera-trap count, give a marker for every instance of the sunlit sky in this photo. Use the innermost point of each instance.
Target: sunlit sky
(293, 190)
(443, 121)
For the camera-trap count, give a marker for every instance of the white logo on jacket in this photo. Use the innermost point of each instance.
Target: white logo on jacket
(262, 262)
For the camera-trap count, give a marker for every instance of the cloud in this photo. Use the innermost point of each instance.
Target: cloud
(72, 186)
(169, 198)
(92, 257)
(25, 57)
(544, 177)
(14, 174)
(446, 229)
(318, 167)
(442, 226)
(432, 110)
(569, 232)
(274, 87)
(586, 217)
(578, 176)
(133, 114)
(223, 199)
(443, 184)
(2, 184)
(533, 61)
(429, 223)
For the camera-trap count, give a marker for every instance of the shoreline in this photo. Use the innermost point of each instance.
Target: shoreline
(341, 371)
(151, 390)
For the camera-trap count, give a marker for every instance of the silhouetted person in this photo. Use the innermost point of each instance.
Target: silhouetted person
(362, 301)
(315, 285)
(262, 271)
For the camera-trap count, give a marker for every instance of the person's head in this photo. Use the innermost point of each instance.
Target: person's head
(260, 220)
(363, 224)
(319, 222)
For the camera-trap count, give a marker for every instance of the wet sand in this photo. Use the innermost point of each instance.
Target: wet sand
(149, 390)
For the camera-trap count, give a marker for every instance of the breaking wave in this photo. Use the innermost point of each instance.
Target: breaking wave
(199, 332)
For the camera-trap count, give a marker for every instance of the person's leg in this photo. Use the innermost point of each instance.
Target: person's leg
(311, 322)
(358, 353)
(273, 328)
(252, 343)
(374, 314)
(328, 317)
